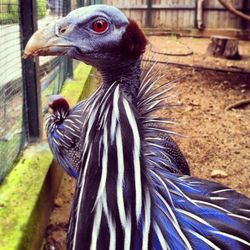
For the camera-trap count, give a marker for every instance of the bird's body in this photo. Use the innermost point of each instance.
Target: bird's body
(124, 198)
(128, 197)
(63, 126)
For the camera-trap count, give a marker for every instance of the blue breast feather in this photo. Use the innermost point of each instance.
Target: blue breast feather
(195, 208)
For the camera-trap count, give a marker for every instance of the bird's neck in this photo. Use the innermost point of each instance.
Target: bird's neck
(126, 73)
(54, 119)
(113, 197)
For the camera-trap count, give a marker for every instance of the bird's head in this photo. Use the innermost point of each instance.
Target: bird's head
(58, 107)
(99, 35)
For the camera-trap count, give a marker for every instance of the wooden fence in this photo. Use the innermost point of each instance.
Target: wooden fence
(182, 14)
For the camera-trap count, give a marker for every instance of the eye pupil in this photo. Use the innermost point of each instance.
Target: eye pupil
(100, 26)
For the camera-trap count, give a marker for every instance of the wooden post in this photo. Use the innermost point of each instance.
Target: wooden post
(200, 24)
(222, 46)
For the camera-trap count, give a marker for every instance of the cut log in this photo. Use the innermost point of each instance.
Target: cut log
(222, 46)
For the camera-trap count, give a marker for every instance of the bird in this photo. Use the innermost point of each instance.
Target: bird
(123, 200)
(63, 129)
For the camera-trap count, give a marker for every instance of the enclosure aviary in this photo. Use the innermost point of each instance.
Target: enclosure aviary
(122, 199)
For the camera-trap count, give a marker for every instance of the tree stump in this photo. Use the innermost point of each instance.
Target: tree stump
(225, 47)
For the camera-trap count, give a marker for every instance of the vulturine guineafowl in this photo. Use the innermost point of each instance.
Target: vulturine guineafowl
(64, 125)
(122, 200)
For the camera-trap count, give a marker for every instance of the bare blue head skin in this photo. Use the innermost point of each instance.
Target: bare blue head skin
(73, 35)
(115, 52)
(88, 45)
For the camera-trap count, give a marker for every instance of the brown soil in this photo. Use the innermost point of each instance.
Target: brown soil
(198, 46)
(55, 237)
(214, 139)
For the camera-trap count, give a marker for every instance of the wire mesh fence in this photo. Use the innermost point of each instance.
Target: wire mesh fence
(11, 94)
(52, 72)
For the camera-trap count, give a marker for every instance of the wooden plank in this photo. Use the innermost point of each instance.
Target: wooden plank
(181, 14)
(167, 18)
(216, 4)
(221, 19)
(155, 6)
(158, 4)
(162, 19)
(175, 21)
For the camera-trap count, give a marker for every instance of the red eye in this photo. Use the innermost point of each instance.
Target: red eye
(100, 26)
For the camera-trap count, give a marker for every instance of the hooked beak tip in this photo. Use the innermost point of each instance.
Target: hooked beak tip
(44, 42)
(50, 110)
(39, 43)
(26, 56)
(35, 43)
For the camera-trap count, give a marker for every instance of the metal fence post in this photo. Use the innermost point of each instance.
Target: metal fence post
(196, 14)
(31, 83)
(68, 61)
(245, 11)
(149, 14)
(80, 3)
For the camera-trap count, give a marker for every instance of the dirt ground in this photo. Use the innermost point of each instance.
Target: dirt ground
(213, 138)
(197, 47)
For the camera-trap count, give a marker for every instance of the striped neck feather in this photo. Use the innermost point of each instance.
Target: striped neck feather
(127, 73)
(112, 181)
(53, 120)
(108, 209)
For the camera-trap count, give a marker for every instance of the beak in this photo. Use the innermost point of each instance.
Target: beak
(50, 110)
(46, 41)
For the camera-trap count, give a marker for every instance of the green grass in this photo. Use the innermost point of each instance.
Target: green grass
(18, 197)
(9, 148)
(9, 11)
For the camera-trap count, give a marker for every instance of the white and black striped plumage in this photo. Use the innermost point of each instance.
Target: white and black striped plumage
(127, 201)
(124, 199)
(63, 127)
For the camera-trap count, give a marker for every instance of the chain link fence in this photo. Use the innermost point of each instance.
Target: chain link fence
(11, 94)
(52, 70)
(14, 92)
